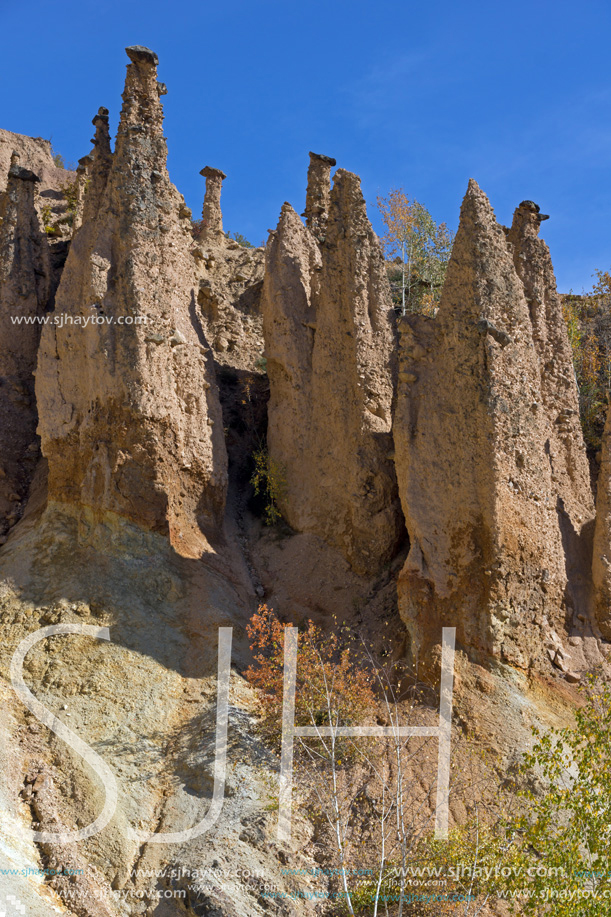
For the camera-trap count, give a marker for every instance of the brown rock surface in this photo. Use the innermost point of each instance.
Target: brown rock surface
(93, 171)
(212, 218)
(34, 154)
(567, 456)
(230, 284)
(329, 344)
(24, 294)
(601, 560)
(318, 194)
(230, 277)
(129, 414)
(485, 472)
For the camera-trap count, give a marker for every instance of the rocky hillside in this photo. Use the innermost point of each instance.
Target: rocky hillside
(433, 474)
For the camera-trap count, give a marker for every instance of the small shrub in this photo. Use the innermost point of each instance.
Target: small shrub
(70, 195)
(240, 239)
(48, 226)
(332, 688)
(565, 833)
(269, 482)
(60, 163)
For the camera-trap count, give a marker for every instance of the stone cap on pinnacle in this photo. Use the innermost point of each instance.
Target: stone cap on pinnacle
(210, 172)
(16, 171)
(328, 160)
(533, 208)
(102, 115)
(138, 54)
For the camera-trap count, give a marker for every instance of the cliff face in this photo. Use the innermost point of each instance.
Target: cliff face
(132, 432)
(567, 457)
(601, 559)
(37, 154)
(485, 452)
(24, 294)
(230, 282)
(329, 343)
(129, 414)
(492, 472)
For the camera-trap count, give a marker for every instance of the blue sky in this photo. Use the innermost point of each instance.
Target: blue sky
(418, 95)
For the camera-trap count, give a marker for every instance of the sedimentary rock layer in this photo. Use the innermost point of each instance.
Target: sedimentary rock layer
(129, 413)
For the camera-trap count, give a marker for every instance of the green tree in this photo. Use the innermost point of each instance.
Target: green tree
(564, 836)
(423, 248)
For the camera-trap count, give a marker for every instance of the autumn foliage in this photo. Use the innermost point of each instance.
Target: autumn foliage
(332, 687)
(421, 247)
(588, 319)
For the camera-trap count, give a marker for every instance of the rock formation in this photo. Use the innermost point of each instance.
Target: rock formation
(93, 170)
(52, 205)
(24, 294)
(329, 344)
(212, 218)
(601, 560)
(316, 211)
(129, 414)
(490, 461)
(570, 472)
(127, 534)
(230, 283)
(35, 154)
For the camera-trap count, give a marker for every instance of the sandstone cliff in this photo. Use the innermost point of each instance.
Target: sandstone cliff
(24, 295)
(93, 171)
(129, 414)
(329, 344)
(230, 282)
(490, 461)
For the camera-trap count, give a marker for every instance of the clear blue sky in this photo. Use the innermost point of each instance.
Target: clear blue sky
(420, 95)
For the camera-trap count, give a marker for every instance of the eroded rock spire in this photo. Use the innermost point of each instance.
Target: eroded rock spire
(211, 212)
(93, 170)
(329, 344)
(129, 413)
(318, 194)
(482, 466)
(567, 456)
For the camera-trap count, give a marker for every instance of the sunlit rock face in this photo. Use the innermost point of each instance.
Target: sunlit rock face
(130, 419)
(490, 458)
(329, 346)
